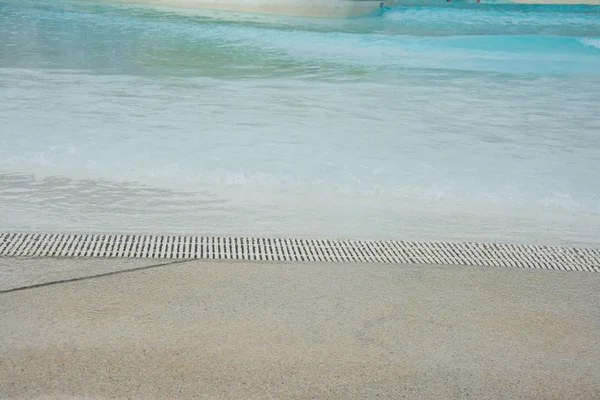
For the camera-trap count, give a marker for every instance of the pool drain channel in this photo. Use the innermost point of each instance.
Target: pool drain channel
(303, 250)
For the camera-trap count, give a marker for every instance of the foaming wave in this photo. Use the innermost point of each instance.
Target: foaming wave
(590, 42)
(438, 213)
(507, 54)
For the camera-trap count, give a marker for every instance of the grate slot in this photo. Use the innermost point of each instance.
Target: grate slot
(270, 249)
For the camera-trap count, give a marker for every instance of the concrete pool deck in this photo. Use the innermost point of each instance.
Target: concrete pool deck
(238, 329)
(305, 8)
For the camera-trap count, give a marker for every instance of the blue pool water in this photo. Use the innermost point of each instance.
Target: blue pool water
(458, 122)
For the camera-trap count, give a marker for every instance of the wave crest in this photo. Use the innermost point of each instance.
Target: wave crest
(590, 42)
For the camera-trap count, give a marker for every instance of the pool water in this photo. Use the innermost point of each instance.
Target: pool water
(476, 122)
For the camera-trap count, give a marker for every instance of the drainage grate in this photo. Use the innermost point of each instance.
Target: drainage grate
(265, 249)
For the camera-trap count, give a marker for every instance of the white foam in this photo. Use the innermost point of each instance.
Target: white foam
(590, 42)
(283, 157)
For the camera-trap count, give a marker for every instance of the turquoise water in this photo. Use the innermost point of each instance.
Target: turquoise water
(458, 122)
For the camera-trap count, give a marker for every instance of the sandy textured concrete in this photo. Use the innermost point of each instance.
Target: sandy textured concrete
(26, 271)
(285, 330)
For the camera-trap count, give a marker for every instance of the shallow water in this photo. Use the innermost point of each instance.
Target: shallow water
(462, 122)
